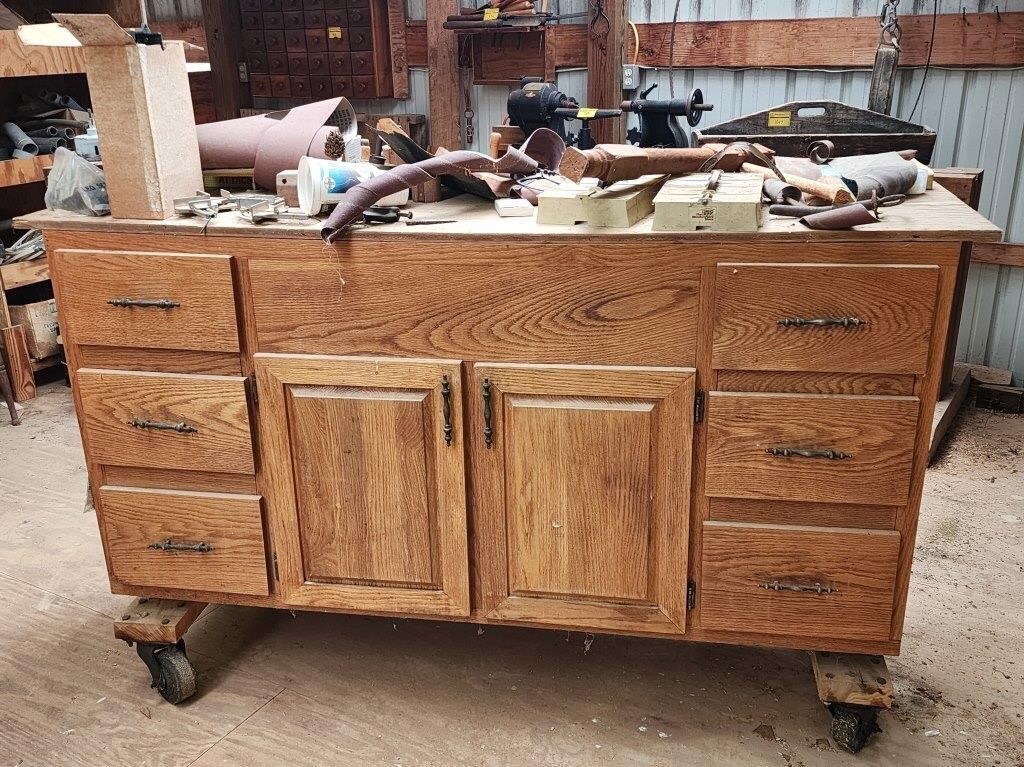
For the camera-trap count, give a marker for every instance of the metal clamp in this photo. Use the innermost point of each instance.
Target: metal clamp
(488, 428)
(803, 588)
(821, 322)
(789, 452)
(181, 427)
(446, 409)
(146, 303)
(168, 545)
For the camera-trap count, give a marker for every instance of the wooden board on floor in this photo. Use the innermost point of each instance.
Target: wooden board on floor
(162, 621)
(947, 408)
(19, 364)
(857, 680)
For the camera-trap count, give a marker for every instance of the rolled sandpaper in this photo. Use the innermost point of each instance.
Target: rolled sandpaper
(844, 217)
(20, 140)
(835, 195)
(50, 145)
(47, 132)
(779, 192)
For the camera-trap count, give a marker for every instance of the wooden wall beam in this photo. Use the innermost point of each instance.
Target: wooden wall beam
(1001, 253)
(124, 12)
(443, 75)
(223, 22)
(606, 52)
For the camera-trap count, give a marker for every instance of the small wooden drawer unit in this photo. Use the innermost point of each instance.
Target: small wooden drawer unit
(166, 420)
(146, 300)
(711, 436)
(801, 581)
(185, 540)
(824, 317)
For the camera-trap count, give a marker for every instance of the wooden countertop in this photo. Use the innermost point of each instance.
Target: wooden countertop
(936, 215)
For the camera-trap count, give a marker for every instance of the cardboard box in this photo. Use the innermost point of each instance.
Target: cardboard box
(39, 321)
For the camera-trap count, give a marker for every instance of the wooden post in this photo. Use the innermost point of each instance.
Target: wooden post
(443, 75)
(606, 52)
(223, 22)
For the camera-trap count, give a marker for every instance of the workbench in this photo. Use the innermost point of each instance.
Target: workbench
(703, 436)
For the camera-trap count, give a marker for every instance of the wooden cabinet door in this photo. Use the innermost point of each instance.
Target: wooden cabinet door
(581, 494)
(365, 482)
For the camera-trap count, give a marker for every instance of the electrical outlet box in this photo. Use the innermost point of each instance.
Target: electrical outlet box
(630, 77)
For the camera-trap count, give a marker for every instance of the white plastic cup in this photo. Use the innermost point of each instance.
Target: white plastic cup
(323, 183)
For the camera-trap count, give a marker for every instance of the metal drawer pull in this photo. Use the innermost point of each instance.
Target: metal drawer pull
(168, 545)
(146, 303)
(788, 452)
(488, 429)
(803, 588)
(822, 322)
(446, 409)
(181, 427)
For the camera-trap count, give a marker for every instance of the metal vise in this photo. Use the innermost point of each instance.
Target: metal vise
(658, 126)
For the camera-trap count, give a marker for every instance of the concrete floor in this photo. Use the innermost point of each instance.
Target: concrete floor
(310, 689)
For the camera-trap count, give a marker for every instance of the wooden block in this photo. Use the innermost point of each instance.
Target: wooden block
(987, 375)
(27, 170)
(161, 621)
(22, 273)
(947, 408)
(562, 206)
(857, 680)
(623, 203)
(1005, 399)
(19, 364)
(685, 204)
(143, 110)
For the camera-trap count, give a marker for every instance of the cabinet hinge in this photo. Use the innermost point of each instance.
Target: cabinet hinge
(698, 406)
(277, 571)
(691, 595)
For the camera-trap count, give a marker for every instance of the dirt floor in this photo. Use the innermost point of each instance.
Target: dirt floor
(309, 689)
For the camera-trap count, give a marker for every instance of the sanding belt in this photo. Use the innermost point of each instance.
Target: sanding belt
(543, 149)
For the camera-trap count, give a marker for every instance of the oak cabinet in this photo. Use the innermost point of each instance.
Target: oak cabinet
(581, 479)
(366, 482)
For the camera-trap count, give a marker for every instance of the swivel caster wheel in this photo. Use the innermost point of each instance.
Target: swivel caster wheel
(173, 675)
(853, 726)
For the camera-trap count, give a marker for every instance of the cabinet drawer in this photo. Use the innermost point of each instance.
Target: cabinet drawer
(174, 539)
(808, 581)
(754, 439)
(145, 300)
(819, 317)
(166, 420)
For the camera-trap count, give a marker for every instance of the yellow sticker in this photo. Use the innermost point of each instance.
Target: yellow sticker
(585, 113)
(780, 119)
(334, 33)
(490, 14)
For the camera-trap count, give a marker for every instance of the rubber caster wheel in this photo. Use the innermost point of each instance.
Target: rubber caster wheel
(853, 726)
(172, 672)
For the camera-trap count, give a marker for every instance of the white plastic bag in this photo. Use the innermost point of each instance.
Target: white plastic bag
(77, 185)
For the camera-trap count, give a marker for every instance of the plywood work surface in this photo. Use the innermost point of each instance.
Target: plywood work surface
(936, 215)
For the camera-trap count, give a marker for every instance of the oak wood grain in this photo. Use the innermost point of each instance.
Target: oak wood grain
(877, 433)
(351, 533)
(159, 360)
(867, 516)
(200, 284)
(895, 304)
(215, 406)
(859, 567)
(796, 382)
(176, 479)
(232, 526)
(581, 503)
(18, 362)
(640, 312)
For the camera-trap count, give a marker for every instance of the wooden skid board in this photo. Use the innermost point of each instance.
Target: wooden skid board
(162, 621)
(858, 680)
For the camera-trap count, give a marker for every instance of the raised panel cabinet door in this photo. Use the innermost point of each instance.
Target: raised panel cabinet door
(365, 482)
(581, 482)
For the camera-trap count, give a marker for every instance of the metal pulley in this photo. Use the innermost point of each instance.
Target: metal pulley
(658, 126)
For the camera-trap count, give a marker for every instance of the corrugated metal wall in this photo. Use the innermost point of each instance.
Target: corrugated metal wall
(979, 116)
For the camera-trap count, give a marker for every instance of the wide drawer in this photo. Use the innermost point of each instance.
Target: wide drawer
(146, 300)
(166, 420)
(808, 447)
(841, 318)
(814, 582)
(174, 539)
